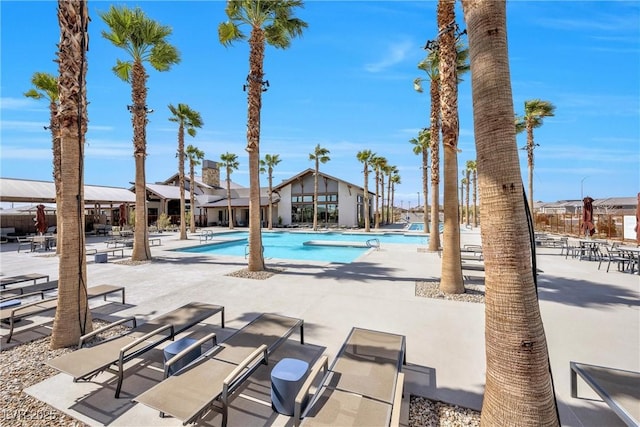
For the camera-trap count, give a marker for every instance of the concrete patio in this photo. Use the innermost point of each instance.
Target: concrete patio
(589, 316)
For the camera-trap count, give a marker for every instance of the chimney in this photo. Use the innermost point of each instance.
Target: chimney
(211, 173)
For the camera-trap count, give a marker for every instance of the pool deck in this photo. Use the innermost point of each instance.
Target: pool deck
(590, 316)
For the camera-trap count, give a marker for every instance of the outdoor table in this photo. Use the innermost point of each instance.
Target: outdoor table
(590, 248)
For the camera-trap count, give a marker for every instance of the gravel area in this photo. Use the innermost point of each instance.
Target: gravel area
(428, 413)
(472, 293)
(258, 275)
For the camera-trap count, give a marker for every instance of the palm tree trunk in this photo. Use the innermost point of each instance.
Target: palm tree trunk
(256, 61)
(518, 387)
(377, 217)
(382, 196)
(451, 281)
(270, 198)
(141, 250)
(229, 211)
(425, 188)
(367, 225)
(73, 317)
(192, 222)
(315, 195)
(530, 164)
(434, 236)
(475, 198)
(55, 135)
(467, 198)
(183, 209)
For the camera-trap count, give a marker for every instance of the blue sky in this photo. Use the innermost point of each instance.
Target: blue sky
(346, 85)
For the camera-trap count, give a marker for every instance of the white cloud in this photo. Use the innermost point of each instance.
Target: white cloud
(22, 104)
(394, 54)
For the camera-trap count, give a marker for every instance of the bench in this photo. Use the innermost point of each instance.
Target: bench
(13, 315)
(22, 278)
(618, 388)
(155, 240)
(108, 251)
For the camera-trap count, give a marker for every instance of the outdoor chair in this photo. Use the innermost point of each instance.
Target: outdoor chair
(363, 387)
(24, 242)
(87, 362)
(613, 255)
(15, 314)
(620, 389)
(568, 248)
(208, 382)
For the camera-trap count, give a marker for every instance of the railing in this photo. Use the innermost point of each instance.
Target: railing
(607, 226)
(373, 243)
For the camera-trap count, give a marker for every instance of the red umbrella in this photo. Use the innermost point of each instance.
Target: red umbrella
(587, 217)
(123, 215)
(41, 220)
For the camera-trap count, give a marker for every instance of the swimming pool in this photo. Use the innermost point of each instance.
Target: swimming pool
(291, 245)
(419, 226)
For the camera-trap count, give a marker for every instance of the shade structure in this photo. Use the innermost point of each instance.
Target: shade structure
(588, 228)
(41, 220)
(123, 215)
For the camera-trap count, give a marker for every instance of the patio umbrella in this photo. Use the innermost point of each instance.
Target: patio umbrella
(588, 229)
(41, 220)
(123, 214)
(637, 229)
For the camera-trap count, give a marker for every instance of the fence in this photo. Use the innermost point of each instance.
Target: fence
(607, 226)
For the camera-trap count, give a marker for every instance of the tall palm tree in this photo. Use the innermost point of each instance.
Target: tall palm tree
(378, 162)
(189, 119)
(73, 317)
(45, 86)
(195, 156)
(471, 166)
(451, 281)
(230, 162)
(535, 110)
(144, 40)
(267, 165)
(430, 65)
(366, 157)
(271, 22)
(519, 389)
(467, 183)
(319, 155)
(395, 180)
(390, 171)
(421, 146)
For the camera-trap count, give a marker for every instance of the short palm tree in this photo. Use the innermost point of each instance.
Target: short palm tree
(319, 155)
(270, 22)
(390, 171)
(395, 180)
(195, 156)
(519, 388)
(73, 317)
(144, 40)
(266, 165)
(45, 86)
(188, 119)
(451, 281)
(230, 162)
(421, 146)
(535, 110)
(378, 162)
(365, 157)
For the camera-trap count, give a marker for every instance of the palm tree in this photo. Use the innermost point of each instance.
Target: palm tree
(421, 146)
(195, 156)
(45, 86)
(319, 155)
(471, 166)
(451, 281)
(378, 162)
(230, 162)
(145, 41)
(73, 317)
(535, 110)
(390, 171)
(189, 119)
(467, 178)
(366, 157)
(271, 22)
(267, 165)
(430, 65)
(395, 179)
(463, 185)
(519, 389)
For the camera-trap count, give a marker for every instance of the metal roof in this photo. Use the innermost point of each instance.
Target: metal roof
(241, 202)
(167, 191)
(29, 191)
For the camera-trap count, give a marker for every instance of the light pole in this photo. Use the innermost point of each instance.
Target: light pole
(418, 207)
(582, 187)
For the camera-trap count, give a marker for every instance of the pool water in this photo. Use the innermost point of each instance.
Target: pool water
(287, 245)
(419, 226)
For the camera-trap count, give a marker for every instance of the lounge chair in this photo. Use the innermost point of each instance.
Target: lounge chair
(85, 363)
(618, 388)
(12, 280)
(15, 314)
(363, 387)
(208, 382)
(29, 289)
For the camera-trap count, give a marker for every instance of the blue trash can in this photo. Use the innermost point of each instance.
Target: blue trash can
(175, 348)
(286, 379)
